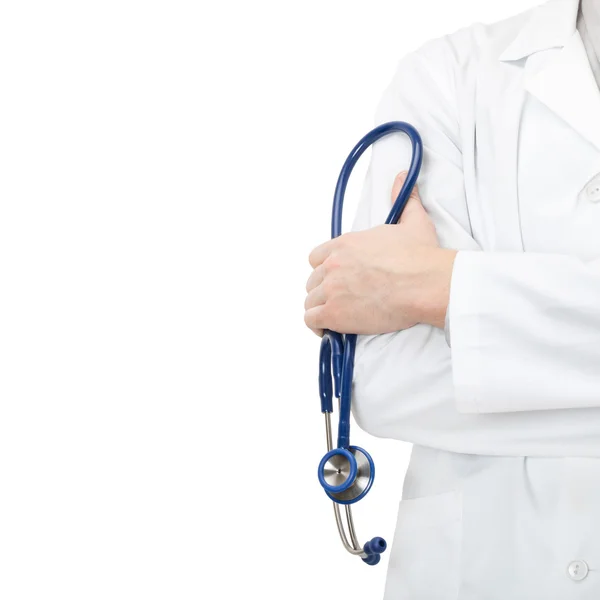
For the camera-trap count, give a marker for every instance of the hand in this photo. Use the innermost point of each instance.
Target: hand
(383, 279)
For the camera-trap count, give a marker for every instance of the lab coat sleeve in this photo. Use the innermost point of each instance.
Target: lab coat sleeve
(525, 331)
(447, 328)
(403, 385)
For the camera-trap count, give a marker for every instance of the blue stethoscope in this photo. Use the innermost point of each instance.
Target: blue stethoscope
(347, 472)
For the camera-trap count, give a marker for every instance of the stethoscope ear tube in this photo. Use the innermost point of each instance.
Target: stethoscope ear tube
(330, 358)
(346, 472)
(358, 150)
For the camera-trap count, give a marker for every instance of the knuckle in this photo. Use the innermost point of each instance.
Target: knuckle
(347, 239)
(331, 263)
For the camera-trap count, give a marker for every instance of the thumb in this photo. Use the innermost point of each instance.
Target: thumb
(414, 204)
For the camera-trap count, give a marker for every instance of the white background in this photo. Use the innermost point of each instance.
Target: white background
(165, 169)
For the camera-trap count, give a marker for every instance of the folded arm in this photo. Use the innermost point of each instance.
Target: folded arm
(524, 328)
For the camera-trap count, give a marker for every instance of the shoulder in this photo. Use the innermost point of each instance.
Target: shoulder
(453, 55)
(432, 84)
(440, 65)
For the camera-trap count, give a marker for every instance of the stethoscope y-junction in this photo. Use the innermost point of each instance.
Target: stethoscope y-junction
(346, 472)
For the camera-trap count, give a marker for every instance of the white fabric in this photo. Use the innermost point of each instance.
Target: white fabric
(447, 328)
(502, 497)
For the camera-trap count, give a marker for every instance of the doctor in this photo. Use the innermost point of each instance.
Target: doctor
(480, 310)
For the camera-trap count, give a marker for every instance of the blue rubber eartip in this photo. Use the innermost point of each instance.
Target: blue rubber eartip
(375, 546)
(373, 549)
(372, 559)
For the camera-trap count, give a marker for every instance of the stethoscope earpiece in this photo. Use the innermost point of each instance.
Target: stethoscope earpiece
(347, 472)
(373, 550)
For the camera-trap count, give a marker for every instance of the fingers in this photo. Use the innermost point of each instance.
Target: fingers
(315, 297)
(315, 300)
(313, 318)
(414, 205)
(320, 253)
(397, 187)
(316, 278)
(398, 183)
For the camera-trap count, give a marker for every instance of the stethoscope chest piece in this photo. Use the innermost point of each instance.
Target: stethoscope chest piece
(346, 474)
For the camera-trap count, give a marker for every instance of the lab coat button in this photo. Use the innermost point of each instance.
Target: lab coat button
(578, 570)
(593, 190)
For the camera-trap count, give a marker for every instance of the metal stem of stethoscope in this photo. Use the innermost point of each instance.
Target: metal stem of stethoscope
(346, 472)
(353, 547)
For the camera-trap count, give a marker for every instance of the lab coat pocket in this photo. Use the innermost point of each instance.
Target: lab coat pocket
(425, 556)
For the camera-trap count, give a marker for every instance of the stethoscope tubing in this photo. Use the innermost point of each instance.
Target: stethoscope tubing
(343, 348)
(337, 352)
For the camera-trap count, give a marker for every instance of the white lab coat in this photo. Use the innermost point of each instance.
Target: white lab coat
(502, 497)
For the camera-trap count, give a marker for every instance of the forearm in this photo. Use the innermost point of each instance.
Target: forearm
(432, 296)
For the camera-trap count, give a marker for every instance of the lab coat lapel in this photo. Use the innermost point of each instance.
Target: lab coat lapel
(566, 85)
(547, 60)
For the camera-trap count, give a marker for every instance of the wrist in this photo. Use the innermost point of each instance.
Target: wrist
(434, 294)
